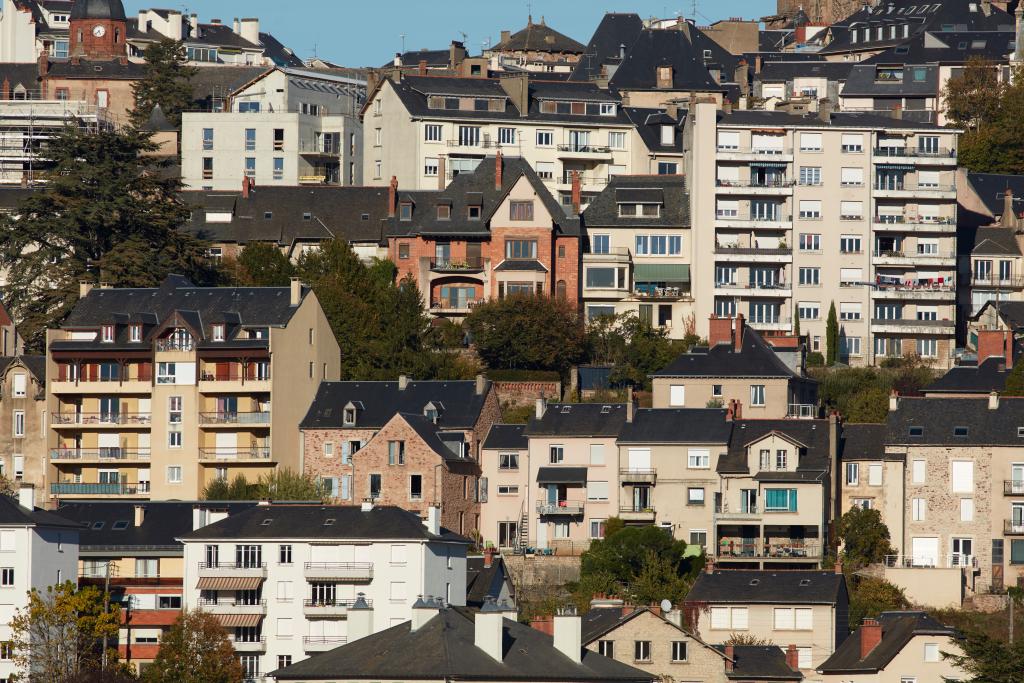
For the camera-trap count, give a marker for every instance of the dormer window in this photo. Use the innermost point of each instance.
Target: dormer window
(664, 76)
(135, 332)
(405, 211)
(430, 413)
(444, 212)
(668, 135)
(218, 333)
(107, 333)
(349, 417)
(473, 212)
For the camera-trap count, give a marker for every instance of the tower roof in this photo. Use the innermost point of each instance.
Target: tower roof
(98, 9)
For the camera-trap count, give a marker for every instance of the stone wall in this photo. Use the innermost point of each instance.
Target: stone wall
(535, 571)
(515, 394)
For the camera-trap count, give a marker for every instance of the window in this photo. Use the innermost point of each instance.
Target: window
(597, 490)
(135, 332)
(606, 648)
(174, 474)
(695, 496)
(780, 500)
(506, 136)
(757, 394)
(781, 457)
(286, 660)
(430, 167)
(918, 472)
(507, 490)
(851, 177)
(810, 241)
(810, 142)
(545, 138)
(207, 139)
(851, 211)
(919, 509)
(250, 139)
(698, 537)
(284, 554)
(278, 168)
(19, 423)
(642, 650)
(677, 395)
(810, 175)
(931, 652)
(432, 132)
(556, 454)
(396, 452)
(928, 348)
(146, 568)
(849, 311)
(792, 619)
(810, 277)
(963, 476)
(521, 210)
(250, 167)
(810, 209)
(966, 509)
(617, 139)
(397, 591)
(6, 650)
(521, 249)
(809, 310)
(849, 244)
(849, 346)
(729, 618)
(667, 168)
(874, 475)
(7, 576)
(698, 459)
(508, 461)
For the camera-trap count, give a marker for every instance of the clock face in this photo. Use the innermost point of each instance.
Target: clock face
(99, 31)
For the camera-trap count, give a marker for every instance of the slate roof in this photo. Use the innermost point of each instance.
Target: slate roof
(96, 69)
(843, 119)
(939, 417)
(25, 75)
(311, 521)
(278, 52)
(506, 436)
(579, 419)
(982, 378)
(444, 648)
(615, 32)
(755, 359)
(777, 70)
(157, 121)
(433, 58)
(754, 586)
(1011, 312)
(864, 441)
(483, 582)
(995, 241)
(476, 187)
(812, 435)
(162, 524)
(898, 629)
(648, 123)
(603, 210)
(661, 47)
(378, 402)
(277, 214)
(918, 81)
(539, 38)
(434, 438)
(97, 9)
(990, 188)
(949, 47)
(759, 662)
(12, 514)
(677, 425)
(35, 364)
(218, 82)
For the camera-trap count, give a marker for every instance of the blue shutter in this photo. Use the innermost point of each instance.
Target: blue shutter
(344, 452)
(792, 500)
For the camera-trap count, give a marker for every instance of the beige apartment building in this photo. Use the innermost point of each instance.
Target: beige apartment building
(23, 422)
(505, 475)
(846, 209)
(872, 478)
(154, 393)
(285, 127)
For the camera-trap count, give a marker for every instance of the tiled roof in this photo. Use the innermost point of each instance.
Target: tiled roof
(506, 436)
(655, 48)
(616, 32)
(1010, 312)
(982, 378)
(864, 441)
(755, 359)
(761, 663)
(677, 425)
(917, 81)
(12, 514)
(483, 582)
(812, 436)
(939, 421)
(991, 188)
(996, 241)
(778, 70)
(949, 47)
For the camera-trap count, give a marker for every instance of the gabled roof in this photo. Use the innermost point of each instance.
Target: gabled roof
(600, 620)
(335, 522)
(616, 33)
(34, 364)
(991, 188)
(753, 586)
(655, 48)
(579, 419)
(865, 441)
(14, 515)
(755, 359)
(898, 629)
(981, 378)
(761, 663)
(936, 419)
(810, 436)
(538, 38)
(434, 437)
(779, 70)
(669, 191)
(444, 648)
(995, 241)
(1010, 312)
(484, 582)
(949, 47)
(380, 401)
(677, 425)
(917, 81)
(506, 436)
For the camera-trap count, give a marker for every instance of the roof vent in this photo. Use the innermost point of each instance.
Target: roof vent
(97, 526)
(754, 582)
(805, 582)
(266, 522)
(120, 525)
(605, 410)
(329, 521)
(566, 410)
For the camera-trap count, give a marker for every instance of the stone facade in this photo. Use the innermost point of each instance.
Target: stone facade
(23, 458)
(886, 496)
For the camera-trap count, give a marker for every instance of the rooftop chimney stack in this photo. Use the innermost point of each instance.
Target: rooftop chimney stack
(84, 287)
(576, 193)
(140, 515)
(730, 656)
(505, 35)
(737, 339)
(568, 637)
(295, 292)
(489, 556)
(393, 197)
(403, 382)
(894, 400)
(360, 618)
(993, 400)
(481, 385)
(489, 630)
(26, 496)
(792, 657)
(498, 170)
(630, 408)
(433, 520)
(870, 636)
(251, 30)
(539, 407)
(423, 610)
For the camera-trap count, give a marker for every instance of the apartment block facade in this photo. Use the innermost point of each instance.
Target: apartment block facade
(844, 209)
(287, 126)
(157, 392)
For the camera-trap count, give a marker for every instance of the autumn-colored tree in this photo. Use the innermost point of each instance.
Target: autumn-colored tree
(971, 99)
(195, 649)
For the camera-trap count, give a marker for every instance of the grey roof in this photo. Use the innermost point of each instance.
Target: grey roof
(218, 82)
(755, 359)
(991, 188)
(939, 417)
(654, 48)
(981, 378)
(446, 445)
(812, 436)
(615, 32)
(444, 648)
(671, 193)
(377, 402)
(949, 47)
(898, 629)
(24, 75)
(917, 81)
(34, 364)
(13, 514)
(539, 38)
(97, 9)
(484, 582)
(433, 58)
(1011, 312)
(476, 188)
(278, 52)
(579, 419)
(754, 586)
(321, 522)
(865, 441)
(995, 241)
(778, 70)
(842, 119)
(759, 662)
(106, 525)
(278, 214)
(561, 474)
(677, 425)
(506, 436)
(97, 69)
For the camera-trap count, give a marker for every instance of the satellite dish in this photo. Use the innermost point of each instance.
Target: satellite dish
(666, 605)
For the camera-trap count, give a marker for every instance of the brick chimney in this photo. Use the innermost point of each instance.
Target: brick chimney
(576, 192)
(839, 566)
(870, 636)
(719, 330)
(995, 343)
(44, 63)
(737, 335)
(543, 624)
(442, 171)
(792, 658)
(5, 89)
(423, 67)
(246, 186)
(1007, 208)
(498, 169)
(488, 557)
(730, 655)
(393, 196)
(627, 609)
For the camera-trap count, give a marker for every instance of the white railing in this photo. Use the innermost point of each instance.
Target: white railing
(953, 560)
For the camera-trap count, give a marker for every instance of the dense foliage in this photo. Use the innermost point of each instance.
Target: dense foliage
(989, 660)
(261, 265)
(865, 537)
(527, 332)
(870, 596)
(992, 115)
(281, 484)
(862, 394)
(831, 336)
(166, 82)
(633, 346)
(195, 649)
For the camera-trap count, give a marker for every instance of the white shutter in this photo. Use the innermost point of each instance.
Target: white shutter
(597, 490)
(925, 178)
(639, 458)
(853, 140)
(963, 476)
(918, 472)
(20, 384)
(677, 395)
(728, 174)
(850, 275)
(596, 454)
(925, 552)
(719, 616)
(728, 206)
(739, 618)
(804, 618)
(852, 176)
(851, 209)
(803, 657)
(966, 509)
(728, 139)
(810, 141)
(398, 554)
(849, 310)
(773, 90)
(783, 619)
(771, 143)
(7, 541)
(284, 590)
(284, 626)
(810, 206)
(874, 475)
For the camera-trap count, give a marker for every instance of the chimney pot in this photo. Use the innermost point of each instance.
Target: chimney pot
(488, 557)
(140, 515)
(393, 197)
(894, 400)
(738, 334)
(403, 382)
(84, 287)
(568, 637)
(539, 407)
(481, 385)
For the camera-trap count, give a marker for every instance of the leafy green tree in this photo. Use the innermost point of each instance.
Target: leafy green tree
(238, 488)
(971, 99)
(634, 347)
(870, 405)
(865, 537)
(988, 660)
(870, 596)
(994, 141)
(1015, 381)
(59, 634)
(166, 80)
(263, 265)
(282, 484)
(108, 213)
(526, 332)
(195, 649)
(832, 336)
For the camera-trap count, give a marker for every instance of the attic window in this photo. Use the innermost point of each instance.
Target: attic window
(473, 212)
(86, 524)
(349, 417)
(365, 217)
(135, 332)
(903, 50)
(605, 410)
(107, 333)
(307, 216)
(329, 521)
(218, 333)
(96, 526)
(120, 525)
(1020, 432)
(917, 431)
(566, 409)
(805, 582)
(405, 211)
(444, 212)
(960, 431)
(707, 54)
(267, 215)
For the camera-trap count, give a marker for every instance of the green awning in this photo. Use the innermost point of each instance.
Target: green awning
(661, 272)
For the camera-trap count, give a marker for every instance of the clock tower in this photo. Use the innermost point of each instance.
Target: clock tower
(98, 29)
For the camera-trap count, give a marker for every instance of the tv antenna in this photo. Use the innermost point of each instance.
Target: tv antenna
(403, 43)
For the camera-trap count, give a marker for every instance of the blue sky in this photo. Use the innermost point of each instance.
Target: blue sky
(367, 33)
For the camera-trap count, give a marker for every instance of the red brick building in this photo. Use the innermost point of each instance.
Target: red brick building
(491, 233)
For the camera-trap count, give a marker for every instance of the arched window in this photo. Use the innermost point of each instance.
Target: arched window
(117, 35)
(560, 289)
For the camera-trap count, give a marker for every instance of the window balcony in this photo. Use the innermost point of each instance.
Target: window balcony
(114, 489)
(98, 454)
(328, 607)
(1013, 527)
(663, 294)
(562, 507)
(724, 513)
(1013, 487)
(941, 156)
(914, 191)
(233, 382)
(636, 513)
(780, 549)
(616, 255)
(257, 645)
(233, 418)
(233, 569)
(322, 643)
(576, 150)
(463, 264)
(218, 455)
(172, 344)
(339, 571)
(772, 221)
(910, 258)
(773, 290)
(312, 148)
(803, 411)
(754, 187)
(239, 607)
(952, 560)
(141, 385)
(914, 291)
(641, 476)
(752, 153)
(58, 420)
(903, 224)
(912, 326)
(448, 307)
(737, 254)
(998, 282)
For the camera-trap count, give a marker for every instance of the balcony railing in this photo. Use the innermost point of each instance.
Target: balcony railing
(774, 151)
(636, 509)
(898, 253)
(803, 411)
(175, 345)
(1013, 527)
(110, 453)
(115, 489)
(755, 218)
(1013, 487)
(664, 293)
(751, 251)
(333, 602)
(914, 187)
(725, 512)
(1013, 282)
(632, 474)
(584, 149)
(455, 306)
(947, 561)
(466, 263)
(561, 507)
(254, 453)
(353, 571)
(311, 147)
(778, 549)
(321, 643)
(233, 377)
(231, 566)
(100, 418)
(903, 152)
(922, 220)
(226, 418)
(912, 322)
(780, 183)
(769, 320)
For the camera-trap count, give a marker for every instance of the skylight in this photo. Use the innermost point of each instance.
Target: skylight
(120, 525)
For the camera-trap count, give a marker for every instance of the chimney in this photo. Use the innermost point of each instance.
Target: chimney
(709, 565)
(825, 110)
(986, 7)
(398, 59)
(295, 292)
(423, 611)
(5, 89)
(539, 407)
(518, 90)
(236, 27)
(738, 334)
(26, 496)
(456, 54)
(993, 343)
(140, 515)
(838, 568)
(505, 35)
(481, 385)
(403, 382)
(433, 520)
(792, 658)
(498, 170)
(489, 556)
(251, 30)
(730, 656)
(392, 196)
(366, 505)
(422, 67)
(758, 60)
(568, 634)
(894, 400)
(193, 25)
(489, 630)
(360, 619)
(84, 287)
(627, 609)
(630, 408)
(246, 187)
(897, 112)
(442, 171)
(993, 401)
(44, 64)
(543, 624)
(1007, 219)
(198, 518)
(622, 50)
(576, 192)
(719, 330)
(870, 636)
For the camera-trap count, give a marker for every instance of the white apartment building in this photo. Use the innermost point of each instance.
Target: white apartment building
(37, 549)
(796, 213)
(285, 579)
(285, 127)
(426, 129)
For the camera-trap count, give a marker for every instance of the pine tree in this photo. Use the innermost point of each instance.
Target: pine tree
(832, 336)
(166, 81)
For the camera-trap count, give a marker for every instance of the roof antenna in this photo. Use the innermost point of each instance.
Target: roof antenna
(403, 43)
